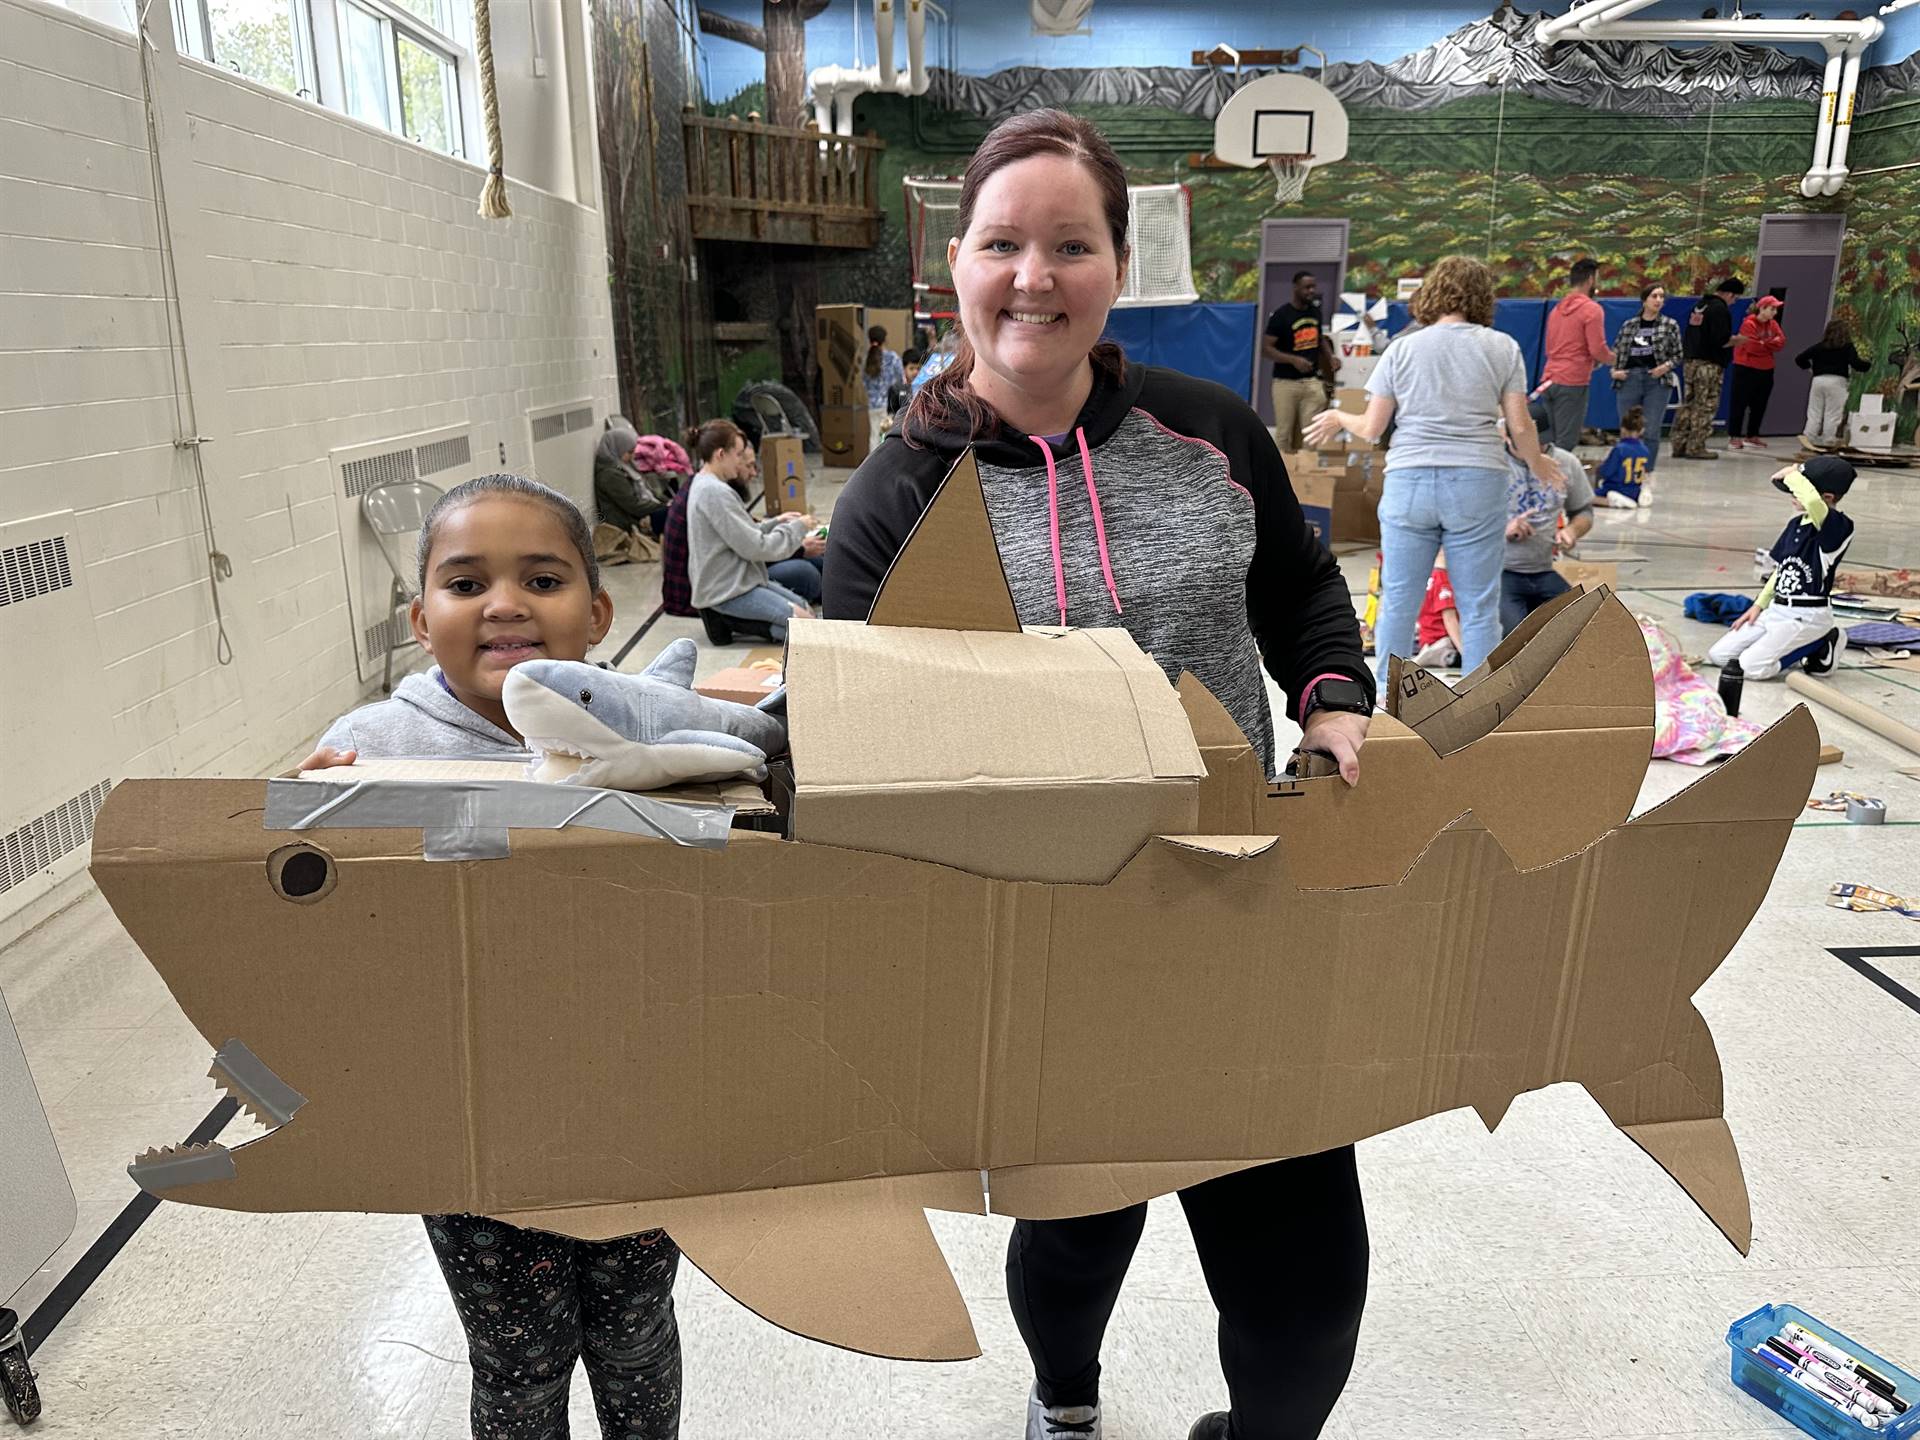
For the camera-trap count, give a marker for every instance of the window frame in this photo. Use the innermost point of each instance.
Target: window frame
(320, 59)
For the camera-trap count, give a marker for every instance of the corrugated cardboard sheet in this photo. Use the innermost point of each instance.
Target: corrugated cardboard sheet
(783, 1050)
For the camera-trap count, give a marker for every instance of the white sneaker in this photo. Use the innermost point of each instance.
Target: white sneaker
(1065, 1422)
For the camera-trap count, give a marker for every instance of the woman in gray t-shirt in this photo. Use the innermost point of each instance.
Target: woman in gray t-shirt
(1445, 389)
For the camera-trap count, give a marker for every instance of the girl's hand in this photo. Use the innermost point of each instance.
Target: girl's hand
(1337, 733)
(1544, 469)
(1518, 528)
(326, 758)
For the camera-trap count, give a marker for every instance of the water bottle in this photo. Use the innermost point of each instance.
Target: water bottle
(1732, 677)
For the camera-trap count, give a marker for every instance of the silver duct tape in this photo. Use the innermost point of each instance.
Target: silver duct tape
(265, 1091)
(157, 1173)
(469, 819)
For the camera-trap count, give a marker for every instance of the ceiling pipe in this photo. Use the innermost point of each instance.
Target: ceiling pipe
(835, 87)
(1845, 42)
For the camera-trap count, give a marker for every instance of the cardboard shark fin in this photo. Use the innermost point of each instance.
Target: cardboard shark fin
(948, 575)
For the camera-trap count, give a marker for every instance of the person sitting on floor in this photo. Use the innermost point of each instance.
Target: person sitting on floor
(1625, 481)
(758, 572)
(1437, 632)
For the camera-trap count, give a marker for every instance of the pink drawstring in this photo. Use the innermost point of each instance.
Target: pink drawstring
(1053, 522)
(1099, 523)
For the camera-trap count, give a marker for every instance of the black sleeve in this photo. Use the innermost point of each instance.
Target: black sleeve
(1854, 360)
(872, 518)
(1274, 326)
(1805, 358)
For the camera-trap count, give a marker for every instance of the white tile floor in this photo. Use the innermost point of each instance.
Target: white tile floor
(1544, 1282)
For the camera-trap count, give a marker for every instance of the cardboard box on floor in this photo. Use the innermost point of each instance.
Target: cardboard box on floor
(844, 434)
(1589, 573)
(1043, 940)
(783, 474)
(1343, 485)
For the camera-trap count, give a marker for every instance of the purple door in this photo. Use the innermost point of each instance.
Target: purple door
(1799, 260)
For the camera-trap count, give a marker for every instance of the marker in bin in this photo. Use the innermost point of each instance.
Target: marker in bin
(1821, 1368)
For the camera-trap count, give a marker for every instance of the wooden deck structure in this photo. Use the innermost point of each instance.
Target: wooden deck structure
(781, 185)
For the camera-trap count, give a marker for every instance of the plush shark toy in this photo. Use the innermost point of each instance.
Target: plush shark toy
(644, 731)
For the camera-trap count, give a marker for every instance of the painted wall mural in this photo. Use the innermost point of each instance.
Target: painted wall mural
(1657, 160)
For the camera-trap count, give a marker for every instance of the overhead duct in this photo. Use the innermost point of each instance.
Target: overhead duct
(835, 87)
(1845, 42)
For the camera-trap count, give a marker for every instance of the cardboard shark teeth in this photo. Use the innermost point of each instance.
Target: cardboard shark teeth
(785, 1050)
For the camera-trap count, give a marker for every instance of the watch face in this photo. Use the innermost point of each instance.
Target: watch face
(1340, 695)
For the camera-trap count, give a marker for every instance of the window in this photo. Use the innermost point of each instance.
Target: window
(403, 65)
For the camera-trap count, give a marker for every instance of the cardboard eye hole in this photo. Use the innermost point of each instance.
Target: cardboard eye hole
(586, 697)
(303, 874)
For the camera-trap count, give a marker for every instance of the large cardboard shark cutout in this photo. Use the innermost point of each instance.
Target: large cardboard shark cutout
(1040, 939)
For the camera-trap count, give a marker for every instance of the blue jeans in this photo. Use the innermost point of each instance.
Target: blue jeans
(769, 605)
(801, 575)
(1522, 593)
(1651, 394)
(1422, 508)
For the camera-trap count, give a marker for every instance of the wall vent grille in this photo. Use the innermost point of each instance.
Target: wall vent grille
(359, 476)
(27, 851)
(444, 455)
(39, 567)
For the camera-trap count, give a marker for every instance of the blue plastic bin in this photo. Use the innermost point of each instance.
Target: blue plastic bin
(1784, 1397)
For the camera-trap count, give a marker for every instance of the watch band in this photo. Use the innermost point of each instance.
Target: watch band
(1306, 696)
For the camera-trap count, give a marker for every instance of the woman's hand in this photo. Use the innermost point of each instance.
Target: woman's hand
(1662, 371)
(1618, 373)
(1547, 471)
(814, 546)
(1325, 427)
(1519, 529)
(326, 758)
(1337, 733)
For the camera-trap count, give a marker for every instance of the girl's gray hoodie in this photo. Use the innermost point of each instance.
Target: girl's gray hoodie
(421, 720)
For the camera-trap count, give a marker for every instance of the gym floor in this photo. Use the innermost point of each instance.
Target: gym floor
(1546, 1281)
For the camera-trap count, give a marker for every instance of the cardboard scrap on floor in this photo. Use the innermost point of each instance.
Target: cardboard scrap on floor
(1048, 946)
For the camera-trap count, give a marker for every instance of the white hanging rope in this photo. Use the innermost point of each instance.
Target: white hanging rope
(493, 195)
(186, 422)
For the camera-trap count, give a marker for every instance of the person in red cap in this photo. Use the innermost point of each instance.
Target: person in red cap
(1760, 339)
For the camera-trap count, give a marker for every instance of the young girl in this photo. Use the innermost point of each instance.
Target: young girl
(1830, 361)
(760, 572)
(1759, 341)
(1625, 478)
(507, 574)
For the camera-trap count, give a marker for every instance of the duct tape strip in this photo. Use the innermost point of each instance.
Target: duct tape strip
(469, 819)
(246, 1076)
(160, 1170)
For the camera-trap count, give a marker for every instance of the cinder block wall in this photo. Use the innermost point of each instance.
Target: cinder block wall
(336, 288)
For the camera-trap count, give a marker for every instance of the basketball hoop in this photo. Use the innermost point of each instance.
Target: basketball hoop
(1290, 176)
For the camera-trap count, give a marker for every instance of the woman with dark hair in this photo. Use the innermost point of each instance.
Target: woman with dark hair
(1830, 361)
(1646, 352)
(1756, 345)
(759, 572)
(1446, 391)
(885, 375)
(1129, 496)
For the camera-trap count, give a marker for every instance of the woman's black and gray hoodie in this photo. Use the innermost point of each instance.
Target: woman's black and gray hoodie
(1166, 510)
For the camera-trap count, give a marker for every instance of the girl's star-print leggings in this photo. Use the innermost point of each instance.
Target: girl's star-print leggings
(532, 1303)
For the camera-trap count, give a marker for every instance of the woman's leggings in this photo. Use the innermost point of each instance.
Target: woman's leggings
(1284, 1249)
(533, 1303)
(1747, 405)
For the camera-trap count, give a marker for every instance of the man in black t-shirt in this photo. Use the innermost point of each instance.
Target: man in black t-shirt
(1708, 342)
(1296, 342)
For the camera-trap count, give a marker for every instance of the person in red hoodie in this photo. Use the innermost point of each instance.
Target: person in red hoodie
(1576, 343)
(1759, 340)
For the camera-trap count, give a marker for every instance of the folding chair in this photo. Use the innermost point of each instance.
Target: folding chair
(396, 513)
(773, 416)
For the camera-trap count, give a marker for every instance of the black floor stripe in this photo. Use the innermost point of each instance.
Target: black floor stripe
(90, 1266)
(1856, 960)
(638, 635)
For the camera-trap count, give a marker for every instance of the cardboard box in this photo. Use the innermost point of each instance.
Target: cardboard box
(844, 434)
(897, 323)
(1591, 574)
(840, 334)
(1314, 488)
(1871, 426)
(1352, 400)
(1128, 964)
(1347, 485)
(783, 474)
(740, 684)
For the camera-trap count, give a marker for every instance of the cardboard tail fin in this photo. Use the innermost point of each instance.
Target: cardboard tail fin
(1701, 1157)
(852, 1263)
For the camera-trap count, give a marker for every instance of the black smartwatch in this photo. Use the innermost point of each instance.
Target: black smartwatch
(1333, 693)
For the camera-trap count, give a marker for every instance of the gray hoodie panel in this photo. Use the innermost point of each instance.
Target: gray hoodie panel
(421, 720)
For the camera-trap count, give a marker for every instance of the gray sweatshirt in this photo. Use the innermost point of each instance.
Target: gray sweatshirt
(421, 720)
(727, 549)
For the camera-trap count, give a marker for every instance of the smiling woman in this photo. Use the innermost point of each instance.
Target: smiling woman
(1123, 495)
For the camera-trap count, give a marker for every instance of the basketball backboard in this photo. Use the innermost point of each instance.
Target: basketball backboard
(1281, 117)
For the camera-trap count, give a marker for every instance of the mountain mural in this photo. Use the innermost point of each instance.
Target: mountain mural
(1630, 76)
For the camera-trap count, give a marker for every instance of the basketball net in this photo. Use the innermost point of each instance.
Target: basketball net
(1290, 176)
